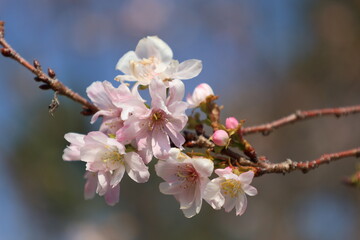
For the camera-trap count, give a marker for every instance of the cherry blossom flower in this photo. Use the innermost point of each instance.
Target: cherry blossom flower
(107, 160)
(201, 92)
(185, 178)
(106, 98)
(229, 190)
(231, 123)
(153, 59)
(153, 128)
(220, 138)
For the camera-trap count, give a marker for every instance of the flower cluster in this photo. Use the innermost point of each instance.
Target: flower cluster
(133, 132)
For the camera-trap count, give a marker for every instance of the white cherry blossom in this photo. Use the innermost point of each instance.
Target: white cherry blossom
(229, 190)
(153, 59)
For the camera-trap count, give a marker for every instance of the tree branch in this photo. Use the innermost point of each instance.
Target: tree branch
(290, 166)
(49, 79)
(267, 128)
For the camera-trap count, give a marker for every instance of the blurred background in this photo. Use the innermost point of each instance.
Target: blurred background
(265, 59)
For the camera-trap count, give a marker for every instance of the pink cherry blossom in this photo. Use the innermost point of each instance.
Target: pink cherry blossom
(185, 178)
(231, 123)
(153, 128)
(106, 163)
(107, 98)
(229, 190)
(201, 92)
(220, 138)
(152, 59)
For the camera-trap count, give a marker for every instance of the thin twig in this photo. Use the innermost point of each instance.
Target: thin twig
(267, 128)
(50, 82)
(289, 165)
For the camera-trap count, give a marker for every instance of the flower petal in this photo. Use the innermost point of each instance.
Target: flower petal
(112, 195)
(136, 168)
(203, 166)
(241, 204)
(117, 176)
(160, 144)
(123, 64)
(90, 185)
(246, 177)
(155, 47)
(250, 190)
(188, 69)
(212, 194)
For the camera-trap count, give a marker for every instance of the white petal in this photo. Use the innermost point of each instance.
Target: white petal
(176, 91)
(103, 182)
(155, 47)
(229, 203)
(123, 64)
(170, 188)
(203, 166)
(122, 78)
(117, 176)
(246, 177)
(250, 190)
(188, 69)
(75, 138)
(241, 204)
(212, 194)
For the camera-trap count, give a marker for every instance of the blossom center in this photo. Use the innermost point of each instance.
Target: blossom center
(158, 118)
(188, 173)
(231, 187)
(145, 68)
(113, 157)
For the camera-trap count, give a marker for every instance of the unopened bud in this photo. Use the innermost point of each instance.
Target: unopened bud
(201, 92)
(6, 52)
(51, 73)
(231, 123)
(36, 64)
(45, 87)
(220, 137)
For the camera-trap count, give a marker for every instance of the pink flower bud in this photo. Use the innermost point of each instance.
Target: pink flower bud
(201, 92)
(220, 137)
(231, 123)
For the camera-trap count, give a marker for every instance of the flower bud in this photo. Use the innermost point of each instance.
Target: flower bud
(220, 137)
(201, 92)
(231, 123)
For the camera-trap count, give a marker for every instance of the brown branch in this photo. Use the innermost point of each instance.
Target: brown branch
(49, 79)
(290, 166)
(267, 128)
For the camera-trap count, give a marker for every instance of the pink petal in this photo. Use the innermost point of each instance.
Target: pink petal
(136, 168)
(160, 144)
(90, 185)
(112, 195)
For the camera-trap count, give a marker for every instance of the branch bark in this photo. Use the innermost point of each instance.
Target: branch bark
(50, 81)
(267, 128)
